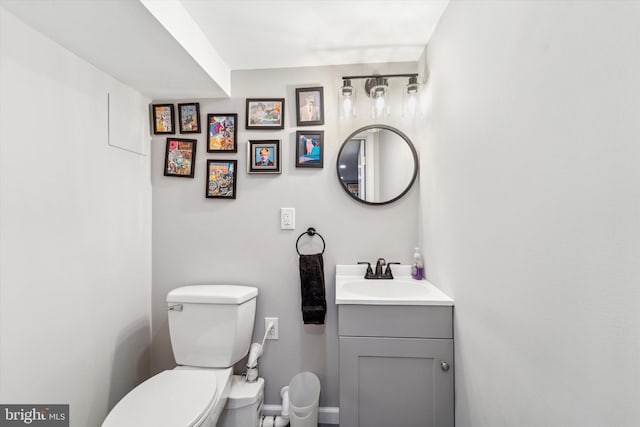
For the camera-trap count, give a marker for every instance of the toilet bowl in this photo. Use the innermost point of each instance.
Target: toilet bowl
(210, 328)
(174, 398)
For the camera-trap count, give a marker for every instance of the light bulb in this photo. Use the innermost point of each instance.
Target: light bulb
(379, 105)
(347, 105)
(412, 104)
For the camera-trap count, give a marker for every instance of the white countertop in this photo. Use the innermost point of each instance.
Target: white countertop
(353, 288)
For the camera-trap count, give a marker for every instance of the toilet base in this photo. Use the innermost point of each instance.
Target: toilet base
(244, 404)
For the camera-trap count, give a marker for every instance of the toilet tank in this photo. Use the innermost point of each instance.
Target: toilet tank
(211, 325)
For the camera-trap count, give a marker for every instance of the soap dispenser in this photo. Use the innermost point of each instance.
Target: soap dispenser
(417, 268)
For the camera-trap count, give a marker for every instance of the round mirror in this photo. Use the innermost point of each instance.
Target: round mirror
(377, 164)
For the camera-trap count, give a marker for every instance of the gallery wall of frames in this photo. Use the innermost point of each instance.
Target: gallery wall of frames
(221, 138)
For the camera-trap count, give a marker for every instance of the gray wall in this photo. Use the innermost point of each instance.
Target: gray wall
(75, 251)
(198, 240)
(531, 208)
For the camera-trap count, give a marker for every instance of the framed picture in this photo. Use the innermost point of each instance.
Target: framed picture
(309, 106)
(310, 149)
(163, 119)
(222, 133)
(189, 117)
(263, 156)
(180, 157)
(221, 179)
(266, 113)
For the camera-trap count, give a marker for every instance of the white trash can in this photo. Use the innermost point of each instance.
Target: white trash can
(304, 397)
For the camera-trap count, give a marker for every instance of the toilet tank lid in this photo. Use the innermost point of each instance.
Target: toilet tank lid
(212, 294)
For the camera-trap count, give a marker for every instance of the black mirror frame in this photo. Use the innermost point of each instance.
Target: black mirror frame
(413, 153)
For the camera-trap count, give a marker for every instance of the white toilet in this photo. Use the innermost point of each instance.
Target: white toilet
(210, 328)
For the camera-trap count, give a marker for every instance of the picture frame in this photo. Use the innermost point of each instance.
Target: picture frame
(222, 133)
(222, 175)
(180, 157)
(265, 113)
(310, 106)
(263, 156)
(310, 149)
(189, 117)
(163, 119)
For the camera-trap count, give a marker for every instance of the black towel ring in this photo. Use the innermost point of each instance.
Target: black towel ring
(311, 232)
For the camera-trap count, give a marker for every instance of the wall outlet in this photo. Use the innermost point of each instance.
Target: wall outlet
(287, 218)
(273, 333)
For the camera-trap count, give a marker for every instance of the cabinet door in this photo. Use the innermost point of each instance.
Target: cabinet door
(396, 382)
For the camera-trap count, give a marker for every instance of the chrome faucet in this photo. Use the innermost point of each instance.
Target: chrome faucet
(380, 264)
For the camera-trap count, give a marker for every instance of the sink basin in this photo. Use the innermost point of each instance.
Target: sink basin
(384, 288)
(352, 288)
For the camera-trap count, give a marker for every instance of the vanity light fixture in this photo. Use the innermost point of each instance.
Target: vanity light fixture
(377, 89)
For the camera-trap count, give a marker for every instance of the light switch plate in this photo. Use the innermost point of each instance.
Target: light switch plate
(287, 218)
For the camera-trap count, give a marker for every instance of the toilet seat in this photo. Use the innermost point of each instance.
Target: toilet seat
(175, 398)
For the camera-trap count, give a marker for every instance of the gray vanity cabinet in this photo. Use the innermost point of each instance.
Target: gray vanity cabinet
(396, 366)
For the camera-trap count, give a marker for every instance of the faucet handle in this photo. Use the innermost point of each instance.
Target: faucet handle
(388, 272)
(369, 272)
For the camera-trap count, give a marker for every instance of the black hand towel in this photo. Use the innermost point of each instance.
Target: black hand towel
(314, 304)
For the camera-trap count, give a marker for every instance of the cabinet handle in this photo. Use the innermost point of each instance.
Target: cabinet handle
(444, 365)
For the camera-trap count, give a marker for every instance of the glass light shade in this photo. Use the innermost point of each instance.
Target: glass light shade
(410, 98)
(347, 97)
(379, 94)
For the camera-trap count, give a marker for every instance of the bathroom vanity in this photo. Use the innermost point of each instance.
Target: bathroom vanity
(396, 351)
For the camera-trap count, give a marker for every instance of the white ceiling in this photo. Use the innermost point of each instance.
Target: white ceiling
(172, 49)
(296, 33)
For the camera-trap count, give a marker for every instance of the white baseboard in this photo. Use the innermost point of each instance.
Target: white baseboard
(326, 414)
